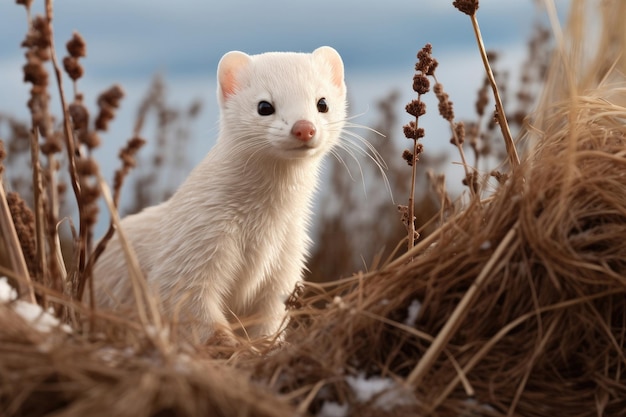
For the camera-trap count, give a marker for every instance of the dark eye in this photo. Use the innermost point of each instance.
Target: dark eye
(265, 109)
(322, 107)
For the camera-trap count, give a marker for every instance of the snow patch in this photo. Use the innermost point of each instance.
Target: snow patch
(114, 356)
(338, 301)
(332, 409)
(7, 293)
(40, 320)
(386, 393)
(412, 313)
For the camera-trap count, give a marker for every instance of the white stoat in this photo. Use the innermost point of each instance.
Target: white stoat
(231, 243)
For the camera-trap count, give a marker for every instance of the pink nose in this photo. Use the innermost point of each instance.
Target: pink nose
(303, 130)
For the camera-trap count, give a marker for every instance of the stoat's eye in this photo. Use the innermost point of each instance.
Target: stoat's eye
(322, 106)
(265, 109)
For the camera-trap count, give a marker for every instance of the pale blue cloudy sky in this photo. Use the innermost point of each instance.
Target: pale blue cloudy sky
(128, 41)
(134, 38)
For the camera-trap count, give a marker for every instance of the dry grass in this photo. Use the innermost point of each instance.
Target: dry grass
(522, 294)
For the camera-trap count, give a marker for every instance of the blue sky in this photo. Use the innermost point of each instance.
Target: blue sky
(135, 38)
(129, 41)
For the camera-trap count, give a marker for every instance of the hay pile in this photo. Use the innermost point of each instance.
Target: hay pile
(523, 297)
(520, 301)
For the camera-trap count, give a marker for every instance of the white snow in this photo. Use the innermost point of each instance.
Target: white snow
(338, 301)
(365, 388)
(332, 409)
(41, 320)
(388, 393)
(412, 313)
(7, 293)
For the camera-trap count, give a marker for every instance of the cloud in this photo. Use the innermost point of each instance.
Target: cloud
(141, 35)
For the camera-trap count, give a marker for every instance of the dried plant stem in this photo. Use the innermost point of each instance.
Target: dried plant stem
(424, 243)
(54, 246)
(504, 125)
(127, 155)
(147, 309)
(459, 146)
(456, 318)
(40, 221)
(14, 249)
(461, 152)
(411, 205)
(304, 405)
(70, 145)
(53, 195)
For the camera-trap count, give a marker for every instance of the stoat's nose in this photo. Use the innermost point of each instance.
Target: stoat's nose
(303, 130)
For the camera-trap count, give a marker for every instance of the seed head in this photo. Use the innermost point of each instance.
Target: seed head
(426, 64)
(445, 105)
(25, 3)
(34, 72)
(52, 145)
(90, 193)
(79, 115)
(76, 46)
(112, 96)
(3, 155)
(421, 85)
(86, 166)
(39, 35)
(408, 157)
(468, 7)
(108, 102)
(460, 131)
(91, 139)
(416, 108)
(412, 132)
(73, 67)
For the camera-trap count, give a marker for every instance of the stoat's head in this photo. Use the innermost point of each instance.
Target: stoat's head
(282, 105)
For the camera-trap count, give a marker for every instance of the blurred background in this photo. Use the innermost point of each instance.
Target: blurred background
(166, 54)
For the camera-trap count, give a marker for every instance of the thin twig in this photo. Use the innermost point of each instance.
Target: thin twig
(69, 145)
(459, 146)
(56, 271)
(147, 308)
(411, 205)
(40, 220)
(504, 125)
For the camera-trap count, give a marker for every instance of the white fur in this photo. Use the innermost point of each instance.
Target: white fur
(231, 243)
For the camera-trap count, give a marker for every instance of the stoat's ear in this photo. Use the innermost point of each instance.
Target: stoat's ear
(227, 71)
(331, 56)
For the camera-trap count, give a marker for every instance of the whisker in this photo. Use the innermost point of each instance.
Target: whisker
(350, 151)
(366, 128)
(379, 159)
(355, 116)
(342, 162)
